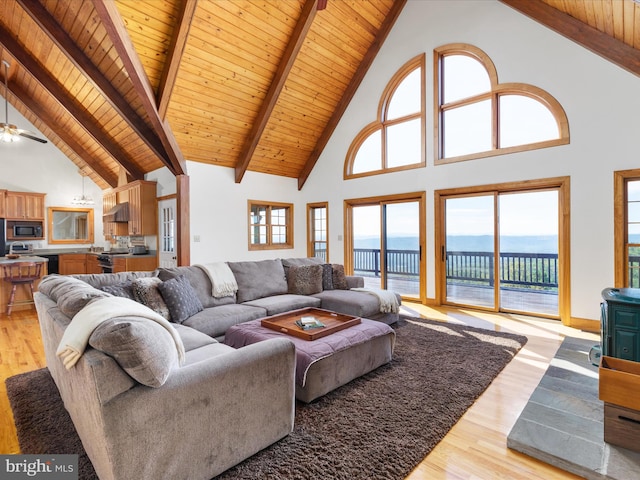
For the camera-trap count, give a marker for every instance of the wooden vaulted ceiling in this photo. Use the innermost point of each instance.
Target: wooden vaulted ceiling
(255, 85)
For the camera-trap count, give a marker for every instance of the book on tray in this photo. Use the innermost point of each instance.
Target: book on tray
(308, 322)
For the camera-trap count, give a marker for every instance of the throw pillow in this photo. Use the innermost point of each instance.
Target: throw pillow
(180, 297)
(69, 293)
(327, 276)
(339, 278)
(305, 280)
(124, 289)
(143, 348)
(146, 292)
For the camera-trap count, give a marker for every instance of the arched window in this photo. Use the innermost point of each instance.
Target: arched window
(478, 117)
(395, 140)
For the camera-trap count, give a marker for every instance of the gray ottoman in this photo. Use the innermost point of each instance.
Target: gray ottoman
(329, 362)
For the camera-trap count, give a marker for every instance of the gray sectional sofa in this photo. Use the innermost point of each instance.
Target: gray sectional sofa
(148, 403)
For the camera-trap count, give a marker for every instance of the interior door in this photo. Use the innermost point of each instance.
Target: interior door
(167, 248)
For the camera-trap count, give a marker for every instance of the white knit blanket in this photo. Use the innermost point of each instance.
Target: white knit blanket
(222, 279)
(76, 337)
(388, 299)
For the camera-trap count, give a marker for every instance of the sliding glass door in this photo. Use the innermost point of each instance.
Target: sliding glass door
(501, 250)
(386, 244)
(469, 250)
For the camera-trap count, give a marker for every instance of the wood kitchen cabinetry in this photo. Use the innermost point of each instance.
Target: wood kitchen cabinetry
(112, 229)
(143, 217)
(134, 264)
(24, 205)
(3, 207)
(93, 266)
(79, 263)
(72, 263)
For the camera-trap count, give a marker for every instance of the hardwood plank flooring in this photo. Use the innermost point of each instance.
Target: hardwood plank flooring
(475, 448)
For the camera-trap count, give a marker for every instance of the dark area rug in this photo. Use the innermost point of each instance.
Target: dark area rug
(379, 426)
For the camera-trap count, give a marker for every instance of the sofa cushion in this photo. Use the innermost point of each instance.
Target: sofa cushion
(146, 292)
(283, 303)
(305, 279)
(207, 352)
(199, 281)
(259, 279)
(99, 280)
(180, 298)
(216, 320)
(69, 293)
(124, 289)
(287, 263)
(350, 302)
(191, 338)
(299, 261)
(143, 348)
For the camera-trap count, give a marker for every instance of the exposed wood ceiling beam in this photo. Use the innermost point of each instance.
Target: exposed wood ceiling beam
(368, 59)
(54, 31)
(31, 65)
(284, 67)
(598, 42)
(112, 21)
(176, 49)
(27, 100)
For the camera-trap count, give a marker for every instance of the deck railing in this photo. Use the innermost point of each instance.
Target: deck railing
(634, 272)
(539, 270)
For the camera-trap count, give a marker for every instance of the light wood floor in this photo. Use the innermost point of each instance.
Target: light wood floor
(474, 449)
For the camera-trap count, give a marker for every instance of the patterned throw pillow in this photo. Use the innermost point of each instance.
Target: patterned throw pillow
(327, 276)
(181, 298)
(146, 292)
(305, 280)
(124, 289)
(339, 277)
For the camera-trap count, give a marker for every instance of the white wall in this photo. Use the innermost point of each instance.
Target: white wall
(30, 166)
(219, 213)
(600, 99)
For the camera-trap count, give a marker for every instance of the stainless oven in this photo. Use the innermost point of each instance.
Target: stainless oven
(106, 263)
(105, 260)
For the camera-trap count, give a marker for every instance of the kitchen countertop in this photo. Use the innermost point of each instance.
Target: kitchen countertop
(62, 251)
(23, 258)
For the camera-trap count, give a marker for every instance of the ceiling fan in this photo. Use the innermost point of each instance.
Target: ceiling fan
(9, 132)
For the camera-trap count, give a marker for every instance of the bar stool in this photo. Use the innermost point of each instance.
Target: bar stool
(21, 273)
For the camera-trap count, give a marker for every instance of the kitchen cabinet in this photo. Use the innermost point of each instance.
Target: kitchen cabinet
(93, 266)
(143, 217)
(134, 263)
(24, 205)
(72, 263)
(112, 229)
(3, 207)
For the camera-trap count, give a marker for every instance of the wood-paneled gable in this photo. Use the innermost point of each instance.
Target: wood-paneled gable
(254, 85)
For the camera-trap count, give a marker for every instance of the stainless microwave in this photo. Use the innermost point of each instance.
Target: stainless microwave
(27, 230)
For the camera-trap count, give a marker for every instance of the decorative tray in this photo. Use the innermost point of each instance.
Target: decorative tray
(318, 322)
